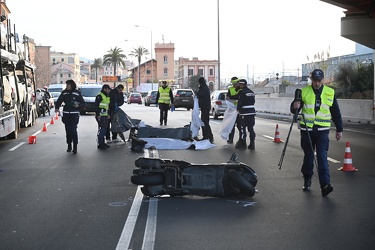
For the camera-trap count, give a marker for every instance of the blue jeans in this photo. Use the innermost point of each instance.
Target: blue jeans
(320, 143)
(102, 129)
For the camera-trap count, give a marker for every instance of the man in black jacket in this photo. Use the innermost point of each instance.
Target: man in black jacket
(73, 103)
(117, 100)
(204, 102)
(246, 116)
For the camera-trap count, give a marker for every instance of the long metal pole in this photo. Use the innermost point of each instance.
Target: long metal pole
(218, 44)
(152, 65)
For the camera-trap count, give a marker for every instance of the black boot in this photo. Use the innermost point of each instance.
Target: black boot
(74, 148)
(241, 144)
(306, 184)
(69, 147)
(251, 145)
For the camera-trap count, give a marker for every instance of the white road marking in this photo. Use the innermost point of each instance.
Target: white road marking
(150, 231)
(333, 160)
(128, 229)
(269, 137)
(19, 145)
(328, 158)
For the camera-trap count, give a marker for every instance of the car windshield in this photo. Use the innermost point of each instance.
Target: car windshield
(184, 93)
(90, 92)
(55, 94)
(135, 95)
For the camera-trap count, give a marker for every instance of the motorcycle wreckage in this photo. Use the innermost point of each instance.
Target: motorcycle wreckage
(178, 178)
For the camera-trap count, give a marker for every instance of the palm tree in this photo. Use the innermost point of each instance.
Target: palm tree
(98, 63)
(139, 53)
(114, 58)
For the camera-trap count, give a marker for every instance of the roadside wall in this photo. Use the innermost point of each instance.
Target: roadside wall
(353, 110)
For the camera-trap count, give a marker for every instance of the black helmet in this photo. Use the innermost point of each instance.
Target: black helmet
(242, 81)
(317, 74)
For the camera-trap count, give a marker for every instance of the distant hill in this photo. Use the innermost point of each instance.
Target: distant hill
(85, 60)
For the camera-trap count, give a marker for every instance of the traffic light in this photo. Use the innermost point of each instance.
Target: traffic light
(277, 76)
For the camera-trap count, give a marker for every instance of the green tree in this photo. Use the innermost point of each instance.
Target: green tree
(98, 63)
(114, 58)
(354, 80)
(139, 53)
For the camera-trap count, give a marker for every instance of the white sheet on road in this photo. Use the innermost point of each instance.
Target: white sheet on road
(230, 116)
(168, 143)
(196, 122)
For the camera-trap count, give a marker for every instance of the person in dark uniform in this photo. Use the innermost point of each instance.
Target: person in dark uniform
(246, 116)
(319, 106)
(204, 101)
(73, 102)
(164, 99)
(116, 101)
(101, 105)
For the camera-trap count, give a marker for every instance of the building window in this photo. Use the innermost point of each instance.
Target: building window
(165, 59)
(148, 72)
(165, 72)
(211, 72)
(61, 75)
(69, 75)
(62, 59)
(190, 72)
(200, 72)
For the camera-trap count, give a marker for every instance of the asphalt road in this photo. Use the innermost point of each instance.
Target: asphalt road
(51, 199)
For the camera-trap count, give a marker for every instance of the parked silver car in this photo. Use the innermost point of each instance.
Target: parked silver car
(218, 104)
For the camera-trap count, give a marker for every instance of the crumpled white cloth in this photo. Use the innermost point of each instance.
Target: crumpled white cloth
(169, 143)
(230, 116)
(196, 122)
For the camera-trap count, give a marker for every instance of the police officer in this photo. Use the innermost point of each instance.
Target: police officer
(116, 101)
(232, 95)
(73, 102)
(319, 107)
(246, 116)
(102, 101)
(164, 99)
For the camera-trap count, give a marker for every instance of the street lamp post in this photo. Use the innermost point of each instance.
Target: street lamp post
(218, 43)
(152, 63)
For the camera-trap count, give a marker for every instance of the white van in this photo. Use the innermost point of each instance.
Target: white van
(89, 93)
(56, 87)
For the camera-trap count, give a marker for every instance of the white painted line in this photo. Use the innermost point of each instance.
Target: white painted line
(150, 231)
(269, 137)
(333, 160)
(128, 229)
(19, 145)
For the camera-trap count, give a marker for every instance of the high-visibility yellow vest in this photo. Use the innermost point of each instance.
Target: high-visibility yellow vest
(323, 116)
(233, 91)
(104, 104)
(164, 95)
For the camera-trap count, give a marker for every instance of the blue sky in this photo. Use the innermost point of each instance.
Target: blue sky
(256, 36)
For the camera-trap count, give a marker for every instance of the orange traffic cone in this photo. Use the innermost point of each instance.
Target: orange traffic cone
(44, 128)
(348, 163)
(52, 121)
(56, 116)
(277, 134)
(32, 139)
